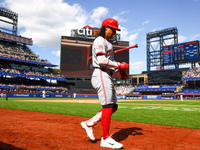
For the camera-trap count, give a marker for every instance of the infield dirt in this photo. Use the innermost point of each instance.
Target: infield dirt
(20, 130)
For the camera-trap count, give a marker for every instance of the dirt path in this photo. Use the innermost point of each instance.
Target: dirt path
(44, 131)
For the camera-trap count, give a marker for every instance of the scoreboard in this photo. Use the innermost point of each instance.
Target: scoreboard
(181, 53)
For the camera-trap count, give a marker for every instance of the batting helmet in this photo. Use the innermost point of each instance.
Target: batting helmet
(111, 23)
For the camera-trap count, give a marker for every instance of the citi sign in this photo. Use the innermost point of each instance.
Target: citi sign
(88, 31)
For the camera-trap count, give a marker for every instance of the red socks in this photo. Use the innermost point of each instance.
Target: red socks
(105, 121)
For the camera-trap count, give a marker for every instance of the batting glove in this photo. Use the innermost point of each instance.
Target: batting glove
(123, 65)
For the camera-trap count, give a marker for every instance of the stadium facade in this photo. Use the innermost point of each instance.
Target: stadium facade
(23, 72)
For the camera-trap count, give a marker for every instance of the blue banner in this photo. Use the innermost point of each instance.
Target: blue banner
(85, 96)
(31, 76)
(154, 89)
(192, 91)
(191, 79)
(39, 95)
(8, 87)
(70, 95)
(152, 97)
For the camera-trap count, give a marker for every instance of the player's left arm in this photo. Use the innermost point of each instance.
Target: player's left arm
(112, 64)
(106, 62)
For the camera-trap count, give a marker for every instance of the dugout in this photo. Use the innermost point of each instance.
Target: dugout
(165, 77)
(160, 78)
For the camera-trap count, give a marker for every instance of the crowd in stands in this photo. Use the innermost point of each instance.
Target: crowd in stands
(157, 86)
(22, 52)
(10, 70)
(195, 72)
(18, 51)
(28, 70)
(124, 89)
(197, 97)
(191, 87)
(33, 88)
(192, 73)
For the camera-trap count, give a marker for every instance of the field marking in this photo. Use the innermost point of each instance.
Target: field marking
(167, 108)
(162, 108)
(160, 104)
(122, 106)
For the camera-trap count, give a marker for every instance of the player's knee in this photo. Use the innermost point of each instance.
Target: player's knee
(113, 107)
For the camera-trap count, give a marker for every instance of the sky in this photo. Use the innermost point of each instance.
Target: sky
(45, 21)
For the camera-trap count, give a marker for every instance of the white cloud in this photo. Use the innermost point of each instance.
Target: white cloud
(124, 12)
(119, 17)
(169, 42)
(45, 21)
(58, 63)
(195, 37)
(137, 66)
(97, 14)
(146, 22)
(56, 53)
(138, 30)
(126, 37)
(181, 38)
(157, 29)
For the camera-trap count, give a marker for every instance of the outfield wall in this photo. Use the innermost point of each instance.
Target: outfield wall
(39, 95)
(175, 96)
(71, 95)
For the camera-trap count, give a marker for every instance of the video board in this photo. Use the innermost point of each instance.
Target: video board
(181, 53)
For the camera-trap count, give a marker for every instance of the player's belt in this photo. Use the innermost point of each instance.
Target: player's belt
(110, 72)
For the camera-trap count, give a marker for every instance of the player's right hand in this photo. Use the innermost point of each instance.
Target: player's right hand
(123, 65)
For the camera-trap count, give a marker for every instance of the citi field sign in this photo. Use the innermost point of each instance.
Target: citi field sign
(86, 31)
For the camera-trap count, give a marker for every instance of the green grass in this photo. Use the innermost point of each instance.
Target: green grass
(179, 114)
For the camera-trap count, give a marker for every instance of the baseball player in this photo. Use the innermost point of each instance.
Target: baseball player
(74, 96)
(43, 94)
(7, 92)
(104, 65)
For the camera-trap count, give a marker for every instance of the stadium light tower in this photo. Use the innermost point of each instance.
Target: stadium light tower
(12, 16)
(154, 54)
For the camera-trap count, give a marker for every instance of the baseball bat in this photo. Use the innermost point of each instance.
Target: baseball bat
(120, 50)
